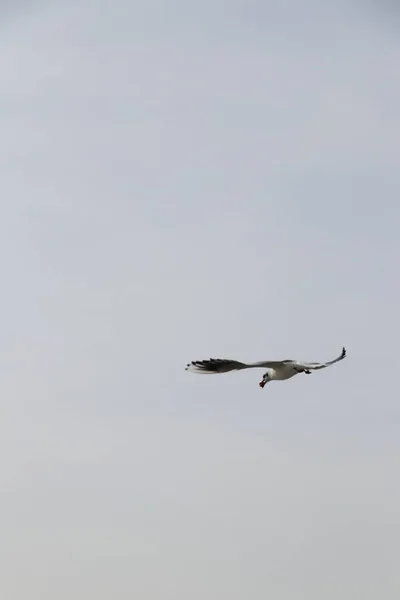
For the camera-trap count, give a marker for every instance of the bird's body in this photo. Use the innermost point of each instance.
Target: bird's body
(275, 370)
(285, 372)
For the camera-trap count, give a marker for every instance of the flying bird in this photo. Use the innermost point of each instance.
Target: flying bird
(276, 370)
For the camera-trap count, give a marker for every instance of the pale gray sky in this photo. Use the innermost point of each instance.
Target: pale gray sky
(183, 180)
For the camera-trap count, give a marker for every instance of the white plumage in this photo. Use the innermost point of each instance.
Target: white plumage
(276, 370)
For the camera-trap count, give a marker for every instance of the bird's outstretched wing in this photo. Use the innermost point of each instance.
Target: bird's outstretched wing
(223, 365)
(214, 365)
(316, 366)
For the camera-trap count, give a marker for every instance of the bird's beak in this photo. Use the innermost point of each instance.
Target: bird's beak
(262, 383)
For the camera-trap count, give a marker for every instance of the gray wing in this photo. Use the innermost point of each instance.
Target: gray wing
(223, 365)
(316, 366)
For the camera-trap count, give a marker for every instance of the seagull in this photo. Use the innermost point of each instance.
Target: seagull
(276, 370)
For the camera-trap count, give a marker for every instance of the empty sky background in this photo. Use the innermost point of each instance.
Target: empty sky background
(182, 180)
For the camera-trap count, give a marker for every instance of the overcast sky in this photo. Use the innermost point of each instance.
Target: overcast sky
(182, 180)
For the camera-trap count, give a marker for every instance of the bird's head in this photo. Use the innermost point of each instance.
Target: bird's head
(266, 378)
